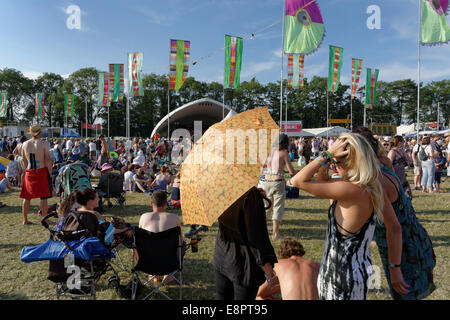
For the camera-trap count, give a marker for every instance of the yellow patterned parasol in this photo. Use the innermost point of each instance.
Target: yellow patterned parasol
(224, 164)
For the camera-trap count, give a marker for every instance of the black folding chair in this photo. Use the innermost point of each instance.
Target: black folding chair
(112, 189)
(158, 254)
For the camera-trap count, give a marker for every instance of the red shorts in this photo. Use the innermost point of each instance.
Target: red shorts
(36, 184)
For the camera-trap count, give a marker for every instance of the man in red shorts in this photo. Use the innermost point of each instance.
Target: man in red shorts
(37, 181)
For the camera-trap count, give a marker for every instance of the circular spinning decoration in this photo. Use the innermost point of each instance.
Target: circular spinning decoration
(304, 18)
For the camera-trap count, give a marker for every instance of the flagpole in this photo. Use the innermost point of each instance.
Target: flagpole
(351, 112)
(168, 108)
(224, 66)
(418, 69)
(287, 95)
(282, 63)
(327, 113)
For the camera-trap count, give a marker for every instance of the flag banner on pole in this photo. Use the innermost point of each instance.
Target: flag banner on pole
(334, 72)
(97, 126)
(371, 87)
(39, 105)
(295, 71)
(116, 82)
(435, 28)
(68, 105)
(180, 51)
(135, 87)
(4, 108)
(103, 89)
(356, 74)
(304, 27)
(233, 61)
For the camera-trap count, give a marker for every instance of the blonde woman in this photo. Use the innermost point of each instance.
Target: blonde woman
(356, 202)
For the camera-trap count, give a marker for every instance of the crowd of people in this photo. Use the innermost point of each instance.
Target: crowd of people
(370, 199)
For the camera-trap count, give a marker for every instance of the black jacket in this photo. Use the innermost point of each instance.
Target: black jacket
(242, 244)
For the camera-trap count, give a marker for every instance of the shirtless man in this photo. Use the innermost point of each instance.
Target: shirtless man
(37, 181)
(274, 184)
(159, 220)
(104, 150)
(297, 277)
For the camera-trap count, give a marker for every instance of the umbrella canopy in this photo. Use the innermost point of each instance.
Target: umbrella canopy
(224, 164)
(4, 161)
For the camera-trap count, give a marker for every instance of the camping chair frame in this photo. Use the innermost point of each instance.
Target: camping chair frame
(138, 277)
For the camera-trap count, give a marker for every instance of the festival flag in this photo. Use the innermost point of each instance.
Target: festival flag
(103, 89)
(295, 71)
(135, 87)
(39, 105)
(435, 29)
(356, 74)
(116, 82)
(371, 87)
(4, 108)
(179, 63)
(233, 61)
(68, 105)
(334, 72)
(304, 27)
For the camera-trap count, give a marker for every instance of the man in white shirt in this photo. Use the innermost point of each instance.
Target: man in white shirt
(128, 181)
(92, 150)
(69, 145)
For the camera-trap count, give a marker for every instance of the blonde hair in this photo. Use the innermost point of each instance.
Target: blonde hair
(66, 205)
(363, 169)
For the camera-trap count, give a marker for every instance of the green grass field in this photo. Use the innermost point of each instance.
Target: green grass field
(305, 219)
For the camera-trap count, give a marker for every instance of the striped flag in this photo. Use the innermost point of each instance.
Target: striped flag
(334, 73)
(135, 87)
(68, 105)
(39, 105)
(103, 89)
(116, 82)
(233, 61)
(180, 52)
(295, 71)
(356, 74)
(4, 108)
(371, 87)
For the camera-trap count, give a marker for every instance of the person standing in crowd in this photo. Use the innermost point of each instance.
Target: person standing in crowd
(307, 149)
(426, 156)
(69, 146)
(104, 153)
(273, 182)
(243, 255)
(417, 164)
(400, 159)
(4, 147)
(92, 150)
(18, 156)
(357, 202)
(415, 259)
(37, 182)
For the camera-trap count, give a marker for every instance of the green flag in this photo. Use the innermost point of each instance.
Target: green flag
(371, 87)
(180, 52)
(68, 105)
(116, 83)
(233, 61)
(39, 105)
(4, 102)
(135, 87)
(103, 89)
(335, 66)
(435, 29)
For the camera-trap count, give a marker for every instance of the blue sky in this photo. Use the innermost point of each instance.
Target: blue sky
(35, 38)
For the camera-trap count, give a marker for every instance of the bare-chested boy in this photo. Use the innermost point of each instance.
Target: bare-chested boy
(274, 184)
(37, 181)
(297, 277)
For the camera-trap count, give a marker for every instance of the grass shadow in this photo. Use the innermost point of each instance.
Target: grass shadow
(4, 296)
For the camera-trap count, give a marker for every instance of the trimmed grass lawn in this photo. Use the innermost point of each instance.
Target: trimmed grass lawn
(305, 219)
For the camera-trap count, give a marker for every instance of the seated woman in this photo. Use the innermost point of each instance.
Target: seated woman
(175, 197)
(161, 179)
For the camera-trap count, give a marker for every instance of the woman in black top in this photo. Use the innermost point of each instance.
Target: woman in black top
(243, 256)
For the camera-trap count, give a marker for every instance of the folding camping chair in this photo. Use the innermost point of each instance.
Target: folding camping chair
(158, 254)
(111, 187)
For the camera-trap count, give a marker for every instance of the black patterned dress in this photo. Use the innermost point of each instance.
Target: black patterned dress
(346, 263)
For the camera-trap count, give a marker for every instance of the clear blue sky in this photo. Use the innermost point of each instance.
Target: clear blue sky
(35, 38)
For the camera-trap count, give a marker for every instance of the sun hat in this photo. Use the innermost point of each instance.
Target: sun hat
(34, 130)
(105, 167)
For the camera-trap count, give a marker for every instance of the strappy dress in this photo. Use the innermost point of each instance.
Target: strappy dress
(418, 258)
(346, 263)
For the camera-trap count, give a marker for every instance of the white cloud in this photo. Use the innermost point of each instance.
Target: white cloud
(33, 75)
(252, 69)
(398, 71)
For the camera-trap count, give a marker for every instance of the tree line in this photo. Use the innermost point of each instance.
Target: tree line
(396, 100)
